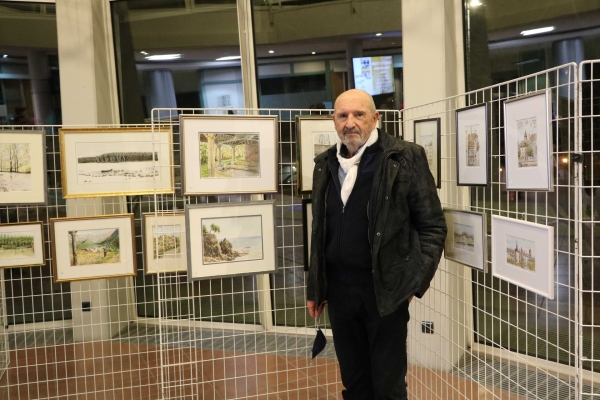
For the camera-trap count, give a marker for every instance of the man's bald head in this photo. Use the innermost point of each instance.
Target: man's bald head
(354, 116)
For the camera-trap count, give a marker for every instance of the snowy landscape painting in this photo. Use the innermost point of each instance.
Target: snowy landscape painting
(15, 167)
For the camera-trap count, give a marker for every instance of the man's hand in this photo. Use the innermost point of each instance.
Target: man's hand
(313, 310)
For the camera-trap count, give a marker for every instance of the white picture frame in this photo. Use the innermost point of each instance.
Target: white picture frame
(99, 162)
(248, 155)
(472, 146)
(26, 185)
(315, 135)
(104, 245)
(428, 135)
(466, 241)
(22, 245)
(165, 232)
(307, 219)
(249, 228)
(523, 254)
(528, 142)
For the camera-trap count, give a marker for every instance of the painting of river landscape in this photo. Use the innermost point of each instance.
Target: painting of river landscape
(107, 163)
(230, 239)
(15, 167)
(464, 237)
(94, 246)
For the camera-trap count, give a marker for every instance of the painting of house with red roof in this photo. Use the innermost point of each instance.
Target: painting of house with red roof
(527, 144)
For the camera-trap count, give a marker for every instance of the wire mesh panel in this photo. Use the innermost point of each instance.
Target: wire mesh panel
(497, 338)
(589, 272)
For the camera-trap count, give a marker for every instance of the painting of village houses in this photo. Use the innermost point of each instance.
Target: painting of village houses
(472, 146)
(229, 155)
(94, 246)
(15, 167)
(464, 237)
(229, 239)
(527, 144)
(520, 252)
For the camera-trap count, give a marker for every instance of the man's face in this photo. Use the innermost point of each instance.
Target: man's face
(353, 119)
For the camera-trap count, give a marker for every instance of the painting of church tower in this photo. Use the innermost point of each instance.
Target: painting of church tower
(472, 146)
(527, 143)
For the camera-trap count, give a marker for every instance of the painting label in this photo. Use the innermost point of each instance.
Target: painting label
(464, 237)
(520, 252)
(94, 246)
(527, 142)
(232, 239)
(229, 155)
(167, 241)
(322, 141)
(15, 245)
(472, 145)
(101, 163)
(15, 167)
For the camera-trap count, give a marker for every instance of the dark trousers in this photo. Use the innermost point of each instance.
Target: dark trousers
(371, 349)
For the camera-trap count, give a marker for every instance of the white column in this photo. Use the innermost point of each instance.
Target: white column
(432, 42)
(89, 97)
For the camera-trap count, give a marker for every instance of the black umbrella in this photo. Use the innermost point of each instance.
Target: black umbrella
(319, 343)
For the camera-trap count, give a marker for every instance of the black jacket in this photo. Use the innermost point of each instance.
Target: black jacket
(406, 234)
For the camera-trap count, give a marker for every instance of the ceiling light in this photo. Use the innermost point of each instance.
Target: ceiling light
(5, 56)
(159, 57)
(378, 34)
(228, 58)
(144, 52)
(271, 51)
(313, 52)
(475, 3)
(538, 30)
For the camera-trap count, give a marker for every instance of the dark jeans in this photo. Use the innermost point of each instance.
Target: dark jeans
(371, 349)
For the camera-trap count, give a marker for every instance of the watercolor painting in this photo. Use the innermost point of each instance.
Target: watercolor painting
(464, 237)
(527, 142)
(166, 241)
(322, 141)
(15, 245)
(232, 239)
(94, 246)
(520, 252)
(472, 146)
(15, 167)
(103, 163)
(229, 155)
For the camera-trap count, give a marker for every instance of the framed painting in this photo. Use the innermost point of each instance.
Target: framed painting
(228, 154)
(528, 143)
(164, 242)
(316, 134)
(22, 167)
(523, 254)
(116, 161)
(472, 146)
(466, 239)
(427, 134)
(22, 245)
(96, 247)
(307, 224)
(230, 239)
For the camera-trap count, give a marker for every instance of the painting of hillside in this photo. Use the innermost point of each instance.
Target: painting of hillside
(94, 246)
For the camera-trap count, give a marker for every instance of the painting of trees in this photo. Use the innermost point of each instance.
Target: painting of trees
(14, 157)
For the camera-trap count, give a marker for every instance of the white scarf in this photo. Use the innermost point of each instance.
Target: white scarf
(350, 165)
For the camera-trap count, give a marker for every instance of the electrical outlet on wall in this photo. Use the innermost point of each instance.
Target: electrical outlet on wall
(86, 306)
(427, 327)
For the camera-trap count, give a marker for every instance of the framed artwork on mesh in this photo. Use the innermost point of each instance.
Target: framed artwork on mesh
(164, 242)
(466, 239)
(427, 134)
(22, 245)
(315, 135)
(528, 142)
(307, 231)
(230, 239)
(228, 154)
(472, 146)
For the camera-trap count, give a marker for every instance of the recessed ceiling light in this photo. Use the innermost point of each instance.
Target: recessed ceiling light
(475, 3)
(313, 52)
(228, 58)
(378, 34)
(538, 31)
(271, 51)
(160, 57)
(144, 52)
(5, 56)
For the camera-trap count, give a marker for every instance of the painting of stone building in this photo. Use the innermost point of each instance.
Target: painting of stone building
(427, 143)
(527, 142)
(323, 140)
(229, 155)
(520, 252)
(472, 146)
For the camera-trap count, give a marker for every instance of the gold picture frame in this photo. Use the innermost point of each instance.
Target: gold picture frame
(94, 163)
(97, 247)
